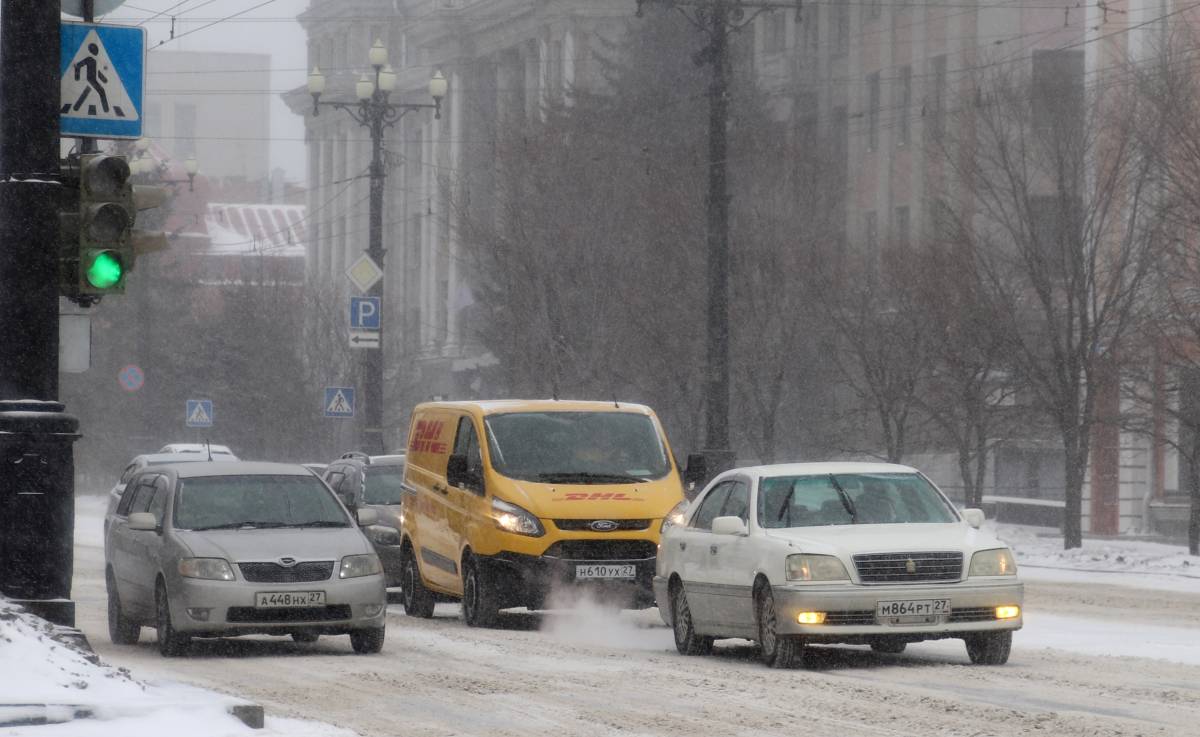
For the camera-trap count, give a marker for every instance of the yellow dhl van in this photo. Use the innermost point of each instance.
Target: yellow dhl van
(508, 501)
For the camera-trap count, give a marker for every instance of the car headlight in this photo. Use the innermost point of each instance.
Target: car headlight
(354, 566)
(676, 516)
(995, 562)
(213, 569)
(805, 567)
(383, 535)
(511, 518)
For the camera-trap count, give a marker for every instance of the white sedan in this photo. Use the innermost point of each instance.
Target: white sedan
(861, 553)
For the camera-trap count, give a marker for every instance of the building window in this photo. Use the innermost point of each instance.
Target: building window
(873, 111)
(841, 27)
(1058, 90)
(870, 240)
(904, 104)
(937, 97)
(839, 149)
(185, 130)
(774, 27)
(810, 24)
(900, 229)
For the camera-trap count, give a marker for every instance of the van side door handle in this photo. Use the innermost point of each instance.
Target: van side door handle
(441, 488)
(682, 545)
(713, 549)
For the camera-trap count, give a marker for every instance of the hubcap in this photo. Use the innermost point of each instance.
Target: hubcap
(682, 617)
(767, 617)
(470, 594)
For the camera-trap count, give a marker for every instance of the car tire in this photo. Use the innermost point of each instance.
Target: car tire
(170, 642)
(121, 630)
(367, 642)
(306, 638)
(989, 648)
(776, 650)
(418, 601)
(481, 601)
(687, 642)
(889, 646)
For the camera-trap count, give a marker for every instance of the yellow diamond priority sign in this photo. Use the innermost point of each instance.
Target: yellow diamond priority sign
(364, 272)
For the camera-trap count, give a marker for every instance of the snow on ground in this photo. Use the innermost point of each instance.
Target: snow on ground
(1117, 562)
(45, 675)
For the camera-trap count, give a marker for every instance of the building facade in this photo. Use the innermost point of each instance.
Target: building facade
(503, 60)
(876, 83)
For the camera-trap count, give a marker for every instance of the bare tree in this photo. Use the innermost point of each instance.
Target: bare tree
(1054, 191)
(880, 347)
(967, 392)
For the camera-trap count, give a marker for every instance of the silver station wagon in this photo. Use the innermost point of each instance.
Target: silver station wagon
(219, 549)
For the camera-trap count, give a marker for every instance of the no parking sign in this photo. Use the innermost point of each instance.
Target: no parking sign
(131, 378)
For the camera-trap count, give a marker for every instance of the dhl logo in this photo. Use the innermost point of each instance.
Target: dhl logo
(427, 437)
(583, 496)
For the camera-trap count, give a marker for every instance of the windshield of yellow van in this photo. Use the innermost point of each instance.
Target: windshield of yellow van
(576, 447)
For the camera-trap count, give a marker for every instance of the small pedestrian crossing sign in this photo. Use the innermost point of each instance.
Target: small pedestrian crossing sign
(339, 401)
(102, 71)
(199, 413)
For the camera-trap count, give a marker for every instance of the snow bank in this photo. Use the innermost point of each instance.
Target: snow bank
(1040, 556)
(44, 674)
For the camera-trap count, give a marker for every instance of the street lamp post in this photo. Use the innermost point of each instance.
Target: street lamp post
(375, 112)
(143, 163)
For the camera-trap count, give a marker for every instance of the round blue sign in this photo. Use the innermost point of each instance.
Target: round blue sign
(131, 378)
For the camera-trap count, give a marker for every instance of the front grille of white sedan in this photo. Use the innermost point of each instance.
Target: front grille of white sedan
(917, 567)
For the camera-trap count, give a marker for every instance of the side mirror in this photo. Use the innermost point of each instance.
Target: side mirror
(695, 474)
(974, 517)
(729, 526)
(143, 521)
(367, 517)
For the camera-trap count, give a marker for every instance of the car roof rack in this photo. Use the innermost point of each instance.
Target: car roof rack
(357, 454)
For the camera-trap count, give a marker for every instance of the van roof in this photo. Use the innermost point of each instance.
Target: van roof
(501, 406)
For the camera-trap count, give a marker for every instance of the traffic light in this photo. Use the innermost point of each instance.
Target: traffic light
(106, 216)
(98, 244)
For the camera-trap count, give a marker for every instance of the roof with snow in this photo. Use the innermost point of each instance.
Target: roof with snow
(272, 230)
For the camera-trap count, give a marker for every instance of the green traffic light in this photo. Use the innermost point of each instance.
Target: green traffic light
(105, 271)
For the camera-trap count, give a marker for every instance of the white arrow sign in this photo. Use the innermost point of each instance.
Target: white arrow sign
(364, 339)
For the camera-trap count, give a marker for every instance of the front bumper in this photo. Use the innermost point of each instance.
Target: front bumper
(350, 604)
(529, 580)
(851, 609)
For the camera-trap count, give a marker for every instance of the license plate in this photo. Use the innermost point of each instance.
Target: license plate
(276, 599)
(912, 608)
(596, 570)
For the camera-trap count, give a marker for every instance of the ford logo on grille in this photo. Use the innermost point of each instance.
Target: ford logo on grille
(287, 562)
(603, 525)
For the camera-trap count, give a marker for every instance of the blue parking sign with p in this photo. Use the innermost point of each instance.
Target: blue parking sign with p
(364, 313)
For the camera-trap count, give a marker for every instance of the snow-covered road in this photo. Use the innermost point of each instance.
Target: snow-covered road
(1094, 659)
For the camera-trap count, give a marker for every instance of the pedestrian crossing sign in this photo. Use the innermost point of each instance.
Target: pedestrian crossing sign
(199, 413)
(339, 401)
(102, 79)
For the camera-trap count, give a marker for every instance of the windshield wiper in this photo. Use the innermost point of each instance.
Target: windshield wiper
(320, 523)
(564, 477)
(849, 505)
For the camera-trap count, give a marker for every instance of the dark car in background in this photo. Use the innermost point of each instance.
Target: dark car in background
(364, 481)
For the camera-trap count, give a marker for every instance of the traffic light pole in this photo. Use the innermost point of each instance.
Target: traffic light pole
(37, 505)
